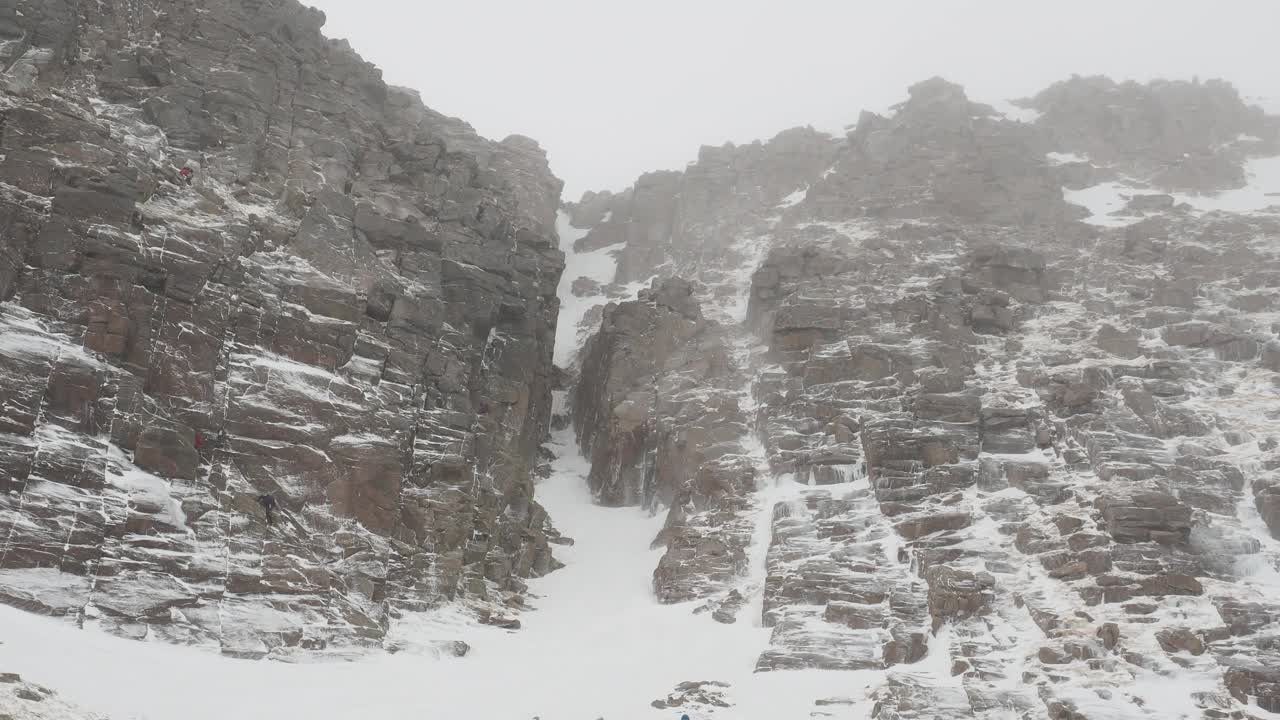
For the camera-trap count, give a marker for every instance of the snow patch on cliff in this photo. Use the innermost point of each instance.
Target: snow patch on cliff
(1261, 192)
(1017, 113)
(597, 265)
(1106, 201)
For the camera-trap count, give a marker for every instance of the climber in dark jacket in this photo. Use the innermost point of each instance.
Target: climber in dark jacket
(268, 504)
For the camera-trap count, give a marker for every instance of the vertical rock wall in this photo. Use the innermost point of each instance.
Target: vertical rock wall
(351, 308)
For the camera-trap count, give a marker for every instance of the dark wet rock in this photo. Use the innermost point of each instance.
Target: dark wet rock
(958, 594)
(918, 527)
(727, 611)
(1266, 496)
(585, 287)
(656, 411)
(1109, 635)
(642, 348)
(1256, 681)
(1121, 343)
(1180, 640)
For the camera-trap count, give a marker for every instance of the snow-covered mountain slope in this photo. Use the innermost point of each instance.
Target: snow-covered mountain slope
(596, 643)
(1030, 400)
(973, 412)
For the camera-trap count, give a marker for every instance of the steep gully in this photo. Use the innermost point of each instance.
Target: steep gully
(597, 644)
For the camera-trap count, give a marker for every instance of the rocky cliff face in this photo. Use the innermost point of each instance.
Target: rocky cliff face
(1175, 134)
(351, 308)
(674, 217)
(1033, 437)
(996, 395)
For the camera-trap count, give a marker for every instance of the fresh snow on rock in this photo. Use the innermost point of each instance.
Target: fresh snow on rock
(794, 198)
(1058, 158)
(1015, 112)
(603, 645)
(1106, 201)
(1103, 201)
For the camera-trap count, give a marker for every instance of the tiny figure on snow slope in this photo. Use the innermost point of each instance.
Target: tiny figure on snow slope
(268, 504)
(185, 175)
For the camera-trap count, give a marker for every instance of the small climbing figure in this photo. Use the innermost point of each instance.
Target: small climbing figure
(268, 504)
(199, 440)
(185, 175)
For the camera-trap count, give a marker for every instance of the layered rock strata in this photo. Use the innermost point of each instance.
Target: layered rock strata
(350, 308)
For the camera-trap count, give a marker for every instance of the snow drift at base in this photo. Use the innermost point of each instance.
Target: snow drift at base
(597, 645)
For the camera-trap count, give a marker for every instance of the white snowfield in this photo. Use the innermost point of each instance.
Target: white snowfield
(1106, 200)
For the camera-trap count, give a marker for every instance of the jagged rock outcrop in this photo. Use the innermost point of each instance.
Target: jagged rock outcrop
(20, 699)
(1176, 134)
(672, 218)
(696, 696)
(658, 412)
(934, 158)
(627, 402)
(351, 308)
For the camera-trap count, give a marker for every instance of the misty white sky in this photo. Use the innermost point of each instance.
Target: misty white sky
(612, 89)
